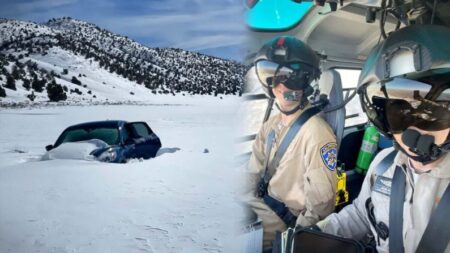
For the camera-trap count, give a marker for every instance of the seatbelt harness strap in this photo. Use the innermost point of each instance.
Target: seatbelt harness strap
(269, 144)
(264, 181)
(281, 210)
(436, 237)
(396, 204)
(385, 163)
(277, 206)
(292, 132)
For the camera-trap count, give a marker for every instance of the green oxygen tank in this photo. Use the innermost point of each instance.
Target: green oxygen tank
(368, 148)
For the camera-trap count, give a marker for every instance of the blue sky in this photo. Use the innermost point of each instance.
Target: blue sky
(214, 27)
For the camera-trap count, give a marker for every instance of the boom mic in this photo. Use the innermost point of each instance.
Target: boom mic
(423, 146)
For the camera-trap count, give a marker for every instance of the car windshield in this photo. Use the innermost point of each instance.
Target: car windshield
(109, 135)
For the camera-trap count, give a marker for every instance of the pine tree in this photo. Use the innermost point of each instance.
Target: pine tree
(38, 85)
(31, 96)
(55, 92)
(4, 71)
(2, 92)
(75, 81)
(27, 84)
(10, 82)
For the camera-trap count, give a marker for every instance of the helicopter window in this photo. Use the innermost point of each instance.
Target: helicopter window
(251, 111)
(354, 113)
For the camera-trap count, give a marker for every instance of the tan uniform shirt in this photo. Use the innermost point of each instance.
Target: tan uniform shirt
(302, 181)
(421, 198)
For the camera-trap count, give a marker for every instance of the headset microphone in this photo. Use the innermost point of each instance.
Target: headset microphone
(423, 145)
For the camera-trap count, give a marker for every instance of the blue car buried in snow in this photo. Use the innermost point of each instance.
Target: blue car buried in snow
(114, 141)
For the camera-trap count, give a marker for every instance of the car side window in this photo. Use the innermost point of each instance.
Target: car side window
(140, 129)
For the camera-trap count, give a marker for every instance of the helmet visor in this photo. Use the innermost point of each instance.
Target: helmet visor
(398, 103)
(295, 76)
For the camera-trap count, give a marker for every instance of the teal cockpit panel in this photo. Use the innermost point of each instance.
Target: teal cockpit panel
(276, 15)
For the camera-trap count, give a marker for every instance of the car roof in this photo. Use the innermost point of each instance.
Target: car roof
(105, 123)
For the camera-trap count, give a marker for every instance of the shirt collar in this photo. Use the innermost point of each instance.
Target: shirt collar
(440, 170)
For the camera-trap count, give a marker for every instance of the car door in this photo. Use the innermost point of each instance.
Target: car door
(145, 143)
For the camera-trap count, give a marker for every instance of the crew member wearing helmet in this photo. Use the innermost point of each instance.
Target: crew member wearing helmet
(299, 187)
(404, 89)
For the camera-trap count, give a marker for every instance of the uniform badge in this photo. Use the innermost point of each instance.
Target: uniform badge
(383, 185)
(329, 155)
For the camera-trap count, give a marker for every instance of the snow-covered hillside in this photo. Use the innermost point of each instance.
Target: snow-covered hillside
(181, 201)
(68, 59)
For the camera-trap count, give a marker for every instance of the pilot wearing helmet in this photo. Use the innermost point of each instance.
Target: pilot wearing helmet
(292, 169)
(404, 202)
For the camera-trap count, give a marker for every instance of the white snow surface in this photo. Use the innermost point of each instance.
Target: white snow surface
(80, 150)
(181, 201)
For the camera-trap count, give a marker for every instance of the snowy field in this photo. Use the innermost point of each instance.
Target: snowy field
(181, 201)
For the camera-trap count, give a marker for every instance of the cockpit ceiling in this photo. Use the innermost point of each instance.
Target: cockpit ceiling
(341, 35)
(345, 34)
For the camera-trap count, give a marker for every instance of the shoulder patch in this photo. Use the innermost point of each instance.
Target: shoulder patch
(328, 152)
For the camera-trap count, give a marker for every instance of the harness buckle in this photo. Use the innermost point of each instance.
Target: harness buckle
(262, 188)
